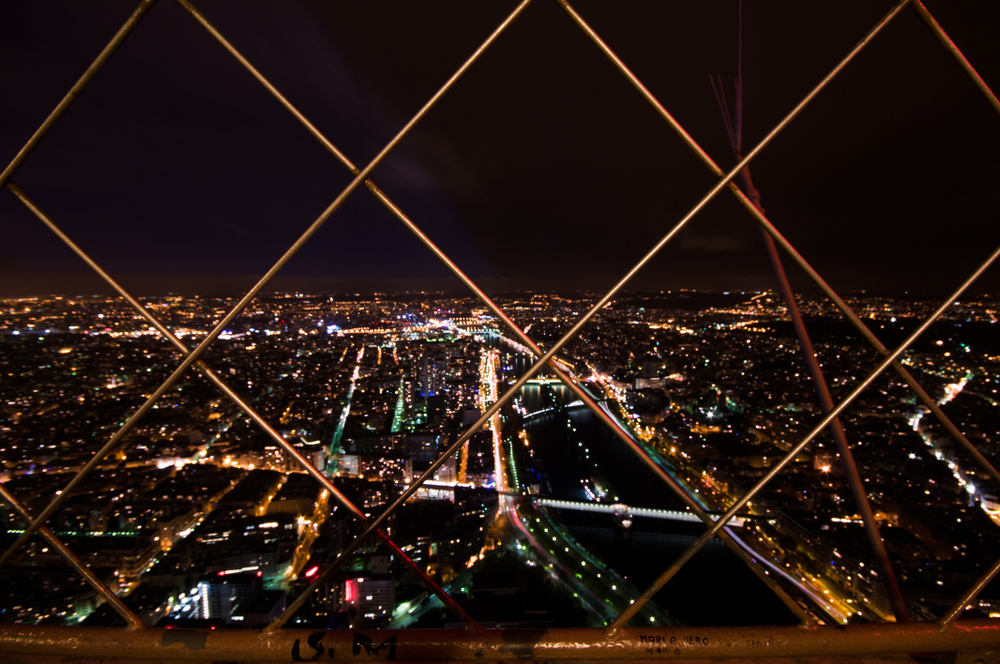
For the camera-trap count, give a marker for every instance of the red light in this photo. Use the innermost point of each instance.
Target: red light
(312, 572)
(222, 573)
(259, 573)
(350, 591)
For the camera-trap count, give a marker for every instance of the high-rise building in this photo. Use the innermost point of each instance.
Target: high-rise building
(220, 596)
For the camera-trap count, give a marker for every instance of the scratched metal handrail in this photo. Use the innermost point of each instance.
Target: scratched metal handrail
(588, 643)
(823, 645)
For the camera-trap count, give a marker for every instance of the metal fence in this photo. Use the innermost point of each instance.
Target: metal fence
(617, 641)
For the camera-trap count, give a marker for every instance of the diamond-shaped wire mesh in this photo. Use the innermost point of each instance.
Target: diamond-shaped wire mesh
(194, 357)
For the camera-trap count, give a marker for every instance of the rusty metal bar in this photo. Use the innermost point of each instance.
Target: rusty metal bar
(777, 468)
(74, 91)
(134, 621)
(836, 428)
(497, 645)
(248, 410)
(853, 318)
(192, 357)
(896, 600)
(497, 311)
(950, 46)
(847, 311)
(854, 481)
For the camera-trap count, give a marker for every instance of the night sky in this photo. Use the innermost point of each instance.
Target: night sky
(541, 169)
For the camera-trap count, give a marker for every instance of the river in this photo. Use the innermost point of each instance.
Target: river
(714, 588)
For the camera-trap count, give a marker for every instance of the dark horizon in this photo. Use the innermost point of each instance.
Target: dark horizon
(541, 169)
(146, 287)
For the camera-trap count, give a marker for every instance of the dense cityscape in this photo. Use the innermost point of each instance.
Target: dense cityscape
(542, 517)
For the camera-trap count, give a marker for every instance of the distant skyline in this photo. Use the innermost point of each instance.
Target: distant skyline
(542, 169)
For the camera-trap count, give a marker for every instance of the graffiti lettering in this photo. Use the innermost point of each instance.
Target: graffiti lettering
(314, 643)
(654, 640)
(362, 641)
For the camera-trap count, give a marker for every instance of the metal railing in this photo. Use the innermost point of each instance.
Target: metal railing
(616, 641)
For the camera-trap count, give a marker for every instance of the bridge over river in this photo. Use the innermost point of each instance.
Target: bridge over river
(625, 511)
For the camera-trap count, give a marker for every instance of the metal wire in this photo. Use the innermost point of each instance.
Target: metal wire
(507, 322)
(924, 397)
(192, 357)
(623, 619)
(74, 92)
(134, 621)
(839, 436)
(273, 433)
(949, 616)
(847, 458)
(950, 46)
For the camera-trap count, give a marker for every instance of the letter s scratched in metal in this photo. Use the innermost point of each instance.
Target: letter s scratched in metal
(314, 643)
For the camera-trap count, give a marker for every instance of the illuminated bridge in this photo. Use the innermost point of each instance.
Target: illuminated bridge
(626, 511)
(964, 637)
